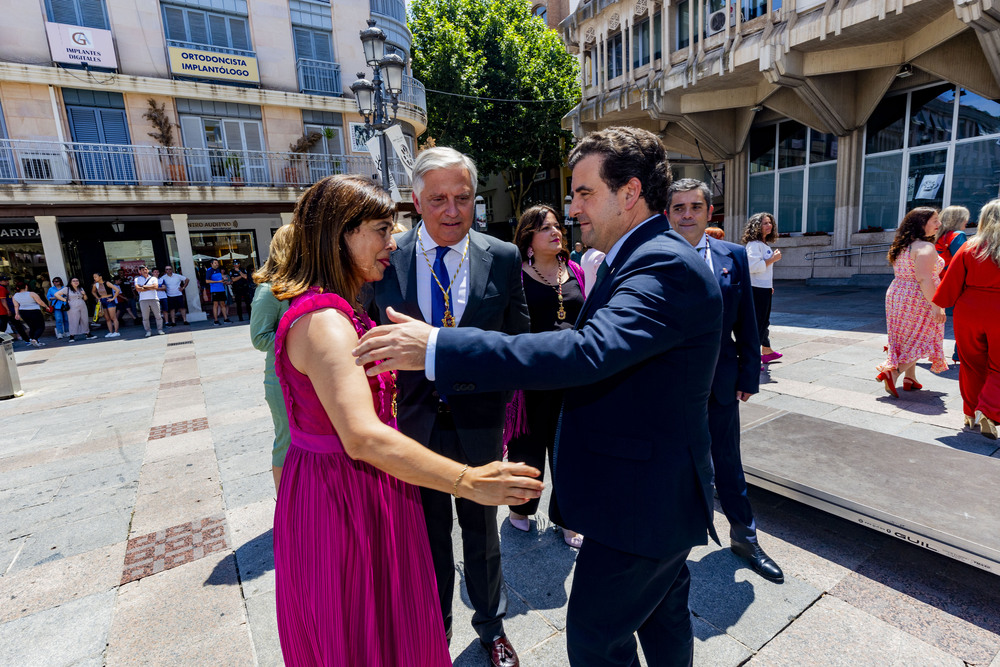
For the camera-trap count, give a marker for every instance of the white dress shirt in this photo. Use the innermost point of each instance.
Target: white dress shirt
(426, 250)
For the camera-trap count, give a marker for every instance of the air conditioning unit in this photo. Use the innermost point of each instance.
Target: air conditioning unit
(716, 21)
(43, 166)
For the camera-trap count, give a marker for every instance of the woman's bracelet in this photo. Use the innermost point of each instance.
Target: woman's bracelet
(454, 488)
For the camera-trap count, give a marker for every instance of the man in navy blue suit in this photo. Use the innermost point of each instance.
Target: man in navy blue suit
(737, 375)
(632, 460)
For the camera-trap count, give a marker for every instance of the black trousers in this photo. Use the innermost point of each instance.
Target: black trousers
(542, 411)
(730, 482)
(240, 297)
(617, 595)
(480, 544)
(762, 310)
(35, 321)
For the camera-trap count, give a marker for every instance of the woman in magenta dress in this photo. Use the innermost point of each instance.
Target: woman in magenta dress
(914, 323)
(355, 584)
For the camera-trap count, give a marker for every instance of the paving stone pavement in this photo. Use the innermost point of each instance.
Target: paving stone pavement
(136, 506)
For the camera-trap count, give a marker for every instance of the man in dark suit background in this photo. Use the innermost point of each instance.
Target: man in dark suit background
(445, 274)
(737, 374)
(632, 450)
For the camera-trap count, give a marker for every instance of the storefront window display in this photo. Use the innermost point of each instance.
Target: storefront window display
(125, 257)
(21, 255)
(934, 146)
(224, 246)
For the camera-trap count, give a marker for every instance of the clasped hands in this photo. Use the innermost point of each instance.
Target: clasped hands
(400, 347)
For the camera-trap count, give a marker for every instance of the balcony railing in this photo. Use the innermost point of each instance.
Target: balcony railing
(53, 162)
(413, 92)
(317, 77)
(392, 8)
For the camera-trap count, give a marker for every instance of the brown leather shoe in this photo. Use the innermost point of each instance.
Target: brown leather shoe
(502, 654)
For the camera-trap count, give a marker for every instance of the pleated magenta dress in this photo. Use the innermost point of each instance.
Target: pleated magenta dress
(355, 584)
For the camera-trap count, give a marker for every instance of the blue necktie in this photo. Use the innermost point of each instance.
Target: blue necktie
(437, 293)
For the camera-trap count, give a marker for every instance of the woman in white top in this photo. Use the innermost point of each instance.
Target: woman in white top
(28, 309)
(762, 229)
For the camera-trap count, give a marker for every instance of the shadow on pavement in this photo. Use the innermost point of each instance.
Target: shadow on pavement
(253, 559)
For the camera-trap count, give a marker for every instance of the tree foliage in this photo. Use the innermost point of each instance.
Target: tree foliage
(491, 50)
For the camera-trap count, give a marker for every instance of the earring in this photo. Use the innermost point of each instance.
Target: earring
(531, 256)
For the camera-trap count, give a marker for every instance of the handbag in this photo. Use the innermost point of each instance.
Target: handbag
(97, 311)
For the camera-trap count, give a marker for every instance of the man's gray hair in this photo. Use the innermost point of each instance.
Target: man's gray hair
(686, 185)
(441, 157)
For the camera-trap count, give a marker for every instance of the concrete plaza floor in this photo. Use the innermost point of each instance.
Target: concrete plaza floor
(136, 505)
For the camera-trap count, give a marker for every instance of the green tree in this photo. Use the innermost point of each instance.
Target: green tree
(489, 50)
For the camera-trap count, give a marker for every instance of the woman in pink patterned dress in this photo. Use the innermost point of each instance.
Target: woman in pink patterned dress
(915, 324)
(355, 584)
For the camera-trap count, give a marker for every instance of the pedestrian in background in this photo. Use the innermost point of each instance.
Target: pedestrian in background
(242, 286)
(106, 292)
(28, 308)
(58, 307)
(174, 284)
(149, 300)
(75, 298)
(553, 290)
(949, 239)
(7, 312)
(161, 294)
(577, 253)
(217, 288)
(762, 229)
(914, 323)
(264, 319)
(972, 287)
(126, 298)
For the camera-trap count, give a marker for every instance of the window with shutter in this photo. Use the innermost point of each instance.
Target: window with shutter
(197, 27)
(7, 172)
(217, 30)
(303, 43)
(86, 13)
(174, 23)
(239, 33)
(322, 46)
(92, 14)
(93, 128)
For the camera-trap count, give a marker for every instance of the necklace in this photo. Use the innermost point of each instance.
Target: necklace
(395, 391)
(448, 320)
(561, 313)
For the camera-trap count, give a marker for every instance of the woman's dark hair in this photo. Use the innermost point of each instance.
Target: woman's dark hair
(629, 152)
(754, 231)
(69, 285)
(20, 285)
(531, 221)
(318, 255)
(911, 229)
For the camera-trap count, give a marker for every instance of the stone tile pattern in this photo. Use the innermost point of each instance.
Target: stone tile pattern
(32, 363)
(178, 428)
(183, 342)
(177, 545)
(181, 383)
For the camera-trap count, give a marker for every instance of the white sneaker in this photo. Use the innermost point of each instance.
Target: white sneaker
(161, 332)
(34, 343)
(58, 336)
(148, 334)
(109, 335)
(116, 334)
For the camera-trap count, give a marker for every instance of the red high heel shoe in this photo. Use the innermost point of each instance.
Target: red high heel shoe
(885, 377)
(911, 385)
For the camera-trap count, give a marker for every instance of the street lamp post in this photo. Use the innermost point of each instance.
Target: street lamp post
(376, 96)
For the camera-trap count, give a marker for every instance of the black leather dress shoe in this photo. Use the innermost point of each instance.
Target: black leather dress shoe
(759, 561)
(502, 654)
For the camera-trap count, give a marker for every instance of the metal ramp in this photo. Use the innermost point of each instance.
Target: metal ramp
(941, 499)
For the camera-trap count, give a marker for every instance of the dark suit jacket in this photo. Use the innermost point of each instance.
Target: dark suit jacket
(633, 468)
(496, 302)
(739, 357)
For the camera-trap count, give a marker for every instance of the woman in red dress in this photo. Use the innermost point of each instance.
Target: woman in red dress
(972, 287)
